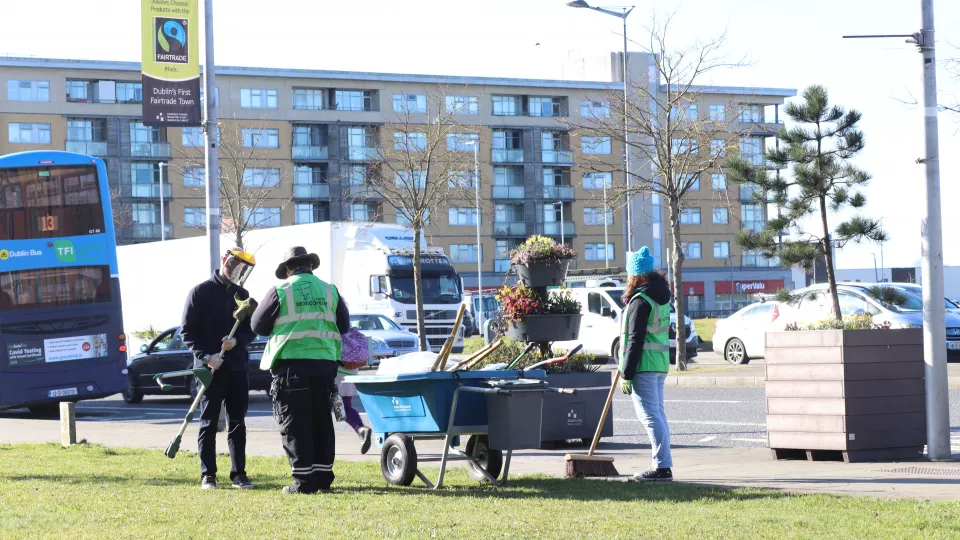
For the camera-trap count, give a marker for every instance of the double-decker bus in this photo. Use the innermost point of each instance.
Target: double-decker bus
(61, 328)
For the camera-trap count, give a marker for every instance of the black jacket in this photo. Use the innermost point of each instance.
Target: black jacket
(266, 315)
(638, 312)
(208, 318)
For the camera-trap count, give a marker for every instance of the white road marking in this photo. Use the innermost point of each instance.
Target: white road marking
(698, 423)
(156, 414)
(129, 410)
(750, 440)
(696, 401)
(707, 439)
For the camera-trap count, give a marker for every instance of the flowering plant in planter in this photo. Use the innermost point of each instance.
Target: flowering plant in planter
(540, 249)
(520, 302)
(578, 363)
(862, 321)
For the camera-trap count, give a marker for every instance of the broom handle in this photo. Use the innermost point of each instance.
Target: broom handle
(606, 409)
(203, 389)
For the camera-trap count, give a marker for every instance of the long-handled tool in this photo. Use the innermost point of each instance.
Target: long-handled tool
(441, 362)
(478, 353)
(559, 359)
(496, 345)
(205, 376)
(579, 465)
(519, 357)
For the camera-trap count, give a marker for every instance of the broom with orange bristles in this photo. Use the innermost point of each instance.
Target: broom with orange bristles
(579, 465)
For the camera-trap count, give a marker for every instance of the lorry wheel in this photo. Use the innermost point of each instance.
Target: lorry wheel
(398, 460)
(478, 446)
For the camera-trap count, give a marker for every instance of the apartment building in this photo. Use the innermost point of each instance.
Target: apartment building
(308, 139)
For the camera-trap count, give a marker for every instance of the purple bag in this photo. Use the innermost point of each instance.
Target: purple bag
(356, 353)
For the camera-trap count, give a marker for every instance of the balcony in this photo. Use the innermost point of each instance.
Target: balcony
(87, 148)
(558, 193)
(145, 191)
(150, 231)
(311, 191)
(501, 265)
(502, 228)
(310, 152)
(361, 192)
(567, 228)
(509, 192)
(562, 157)
(502, 155)
(761, 127)
(150, 149)
(361, 153)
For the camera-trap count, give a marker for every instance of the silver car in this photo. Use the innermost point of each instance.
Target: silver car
(386, 338)
(741, 336)
(916, 290)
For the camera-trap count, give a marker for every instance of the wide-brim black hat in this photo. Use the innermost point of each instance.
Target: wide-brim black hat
(295, 255)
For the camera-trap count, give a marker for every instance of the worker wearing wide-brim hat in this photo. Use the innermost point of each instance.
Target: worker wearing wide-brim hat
(305, 319)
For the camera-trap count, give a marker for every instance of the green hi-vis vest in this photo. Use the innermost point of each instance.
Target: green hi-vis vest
(306, 327)
(656, 345)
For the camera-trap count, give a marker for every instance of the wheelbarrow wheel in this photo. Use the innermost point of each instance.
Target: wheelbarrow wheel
(491, 460)
(398, 460)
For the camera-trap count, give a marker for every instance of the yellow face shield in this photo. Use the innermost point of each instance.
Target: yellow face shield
(237, 266)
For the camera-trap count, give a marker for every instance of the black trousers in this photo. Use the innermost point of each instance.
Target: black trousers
(301, 407)
(231, 388)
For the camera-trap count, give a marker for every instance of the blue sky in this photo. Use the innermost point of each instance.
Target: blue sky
(791, 44)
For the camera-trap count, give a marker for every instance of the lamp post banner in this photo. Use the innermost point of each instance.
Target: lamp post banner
(170, 62)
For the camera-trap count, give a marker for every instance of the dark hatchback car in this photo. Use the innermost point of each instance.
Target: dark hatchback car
(167, 352)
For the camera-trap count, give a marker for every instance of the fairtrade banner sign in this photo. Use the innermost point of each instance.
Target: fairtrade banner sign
(170, 62)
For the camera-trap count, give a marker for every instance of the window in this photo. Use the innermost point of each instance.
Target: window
(402, 218)
(463, 216)
(310, 136)
(261, 178)
(409, 142)
(28, 91)
(718, 113)
(354, 100)
(718, 147)
(597, 180)
(595, 216)
(595, 145)
(461, 180)
(506, 105)
(363, 212)
(310, 213)
(685, 147)
(462, 142)
(718, 181)
(853, 304)
(546, 106)
(359, 138)
(598, 252)
(145, 213)
(309, 174)
(750, 113)
(258, 98)
(507, 140)
(463, 253)
(418, 180)
(263, 217)
(357, 175)
(194, 217)
(463, 104)
(312, 99)
(756, 259)
(689, 181)
(721, 250)
(684, 113)
(751, 217)
(507, 176)
(691, 250)
(751, 150)
(508, 213)
(194, 177)
(140, 133)
(192, 137)
(410, 103)
(129, 92)
(595, 109)
(144, 173)
(25, 133)
(79, 91)
(690, 216)
(86, 130)
(261, 138)
(721, 216)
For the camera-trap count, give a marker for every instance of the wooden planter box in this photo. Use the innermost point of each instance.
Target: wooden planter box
(543, 274)
(851, 394)
(545, 328)
(566, 417)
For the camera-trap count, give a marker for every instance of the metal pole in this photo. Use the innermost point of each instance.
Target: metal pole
(210, 136)
(163, 225)
(934, 323)
(476, 181)
(563, 238)
(626, 141)
(606, 236)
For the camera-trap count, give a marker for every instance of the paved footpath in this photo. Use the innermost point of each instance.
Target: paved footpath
(730, 467)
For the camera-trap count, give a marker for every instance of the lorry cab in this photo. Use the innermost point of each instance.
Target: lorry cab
(601, 308)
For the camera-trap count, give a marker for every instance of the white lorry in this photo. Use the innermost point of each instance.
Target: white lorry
(370, 263)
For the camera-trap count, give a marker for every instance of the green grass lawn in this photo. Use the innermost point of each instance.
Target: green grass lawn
(704, 328)
(98, 492)
(472, 344)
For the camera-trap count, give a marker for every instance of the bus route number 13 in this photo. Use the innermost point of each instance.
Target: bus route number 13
(48, 223)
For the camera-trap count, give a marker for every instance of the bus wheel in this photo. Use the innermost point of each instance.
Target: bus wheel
(45, 409)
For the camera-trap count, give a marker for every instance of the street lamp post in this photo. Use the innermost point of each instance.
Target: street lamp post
(628, 222)
(606, 236)
(163, 224)
(563, 238)
(476, 185)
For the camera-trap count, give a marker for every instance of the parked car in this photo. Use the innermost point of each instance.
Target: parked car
(856, 298)
(167, 352)
(950, 305)
(741, 337)
(386, 337)
(600, 325)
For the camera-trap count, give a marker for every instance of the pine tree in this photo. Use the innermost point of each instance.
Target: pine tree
(818, 150)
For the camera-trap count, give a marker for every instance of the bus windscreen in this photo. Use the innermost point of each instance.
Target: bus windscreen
(50, 202)
(54, 287)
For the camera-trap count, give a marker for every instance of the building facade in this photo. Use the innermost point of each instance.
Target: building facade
(307, 139)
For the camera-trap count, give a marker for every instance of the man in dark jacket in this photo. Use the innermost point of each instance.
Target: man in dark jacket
(304, 318)
(207, 321)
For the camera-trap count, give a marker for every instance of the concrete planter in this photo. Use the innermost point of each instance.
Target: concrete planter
(566, 417)
(851, 394)
(543, 274)
(545, 328)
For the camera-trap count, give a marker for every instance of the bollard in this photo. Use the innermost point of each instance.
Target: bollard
(68, 424)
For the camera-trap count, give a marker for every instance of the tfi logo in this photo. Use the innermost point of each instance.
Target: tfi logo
(65, 251)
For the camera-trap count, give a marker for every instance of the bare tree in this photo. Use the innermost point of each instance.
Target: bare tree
(423, 162)
(247, 177)
(122, 212)
(672, 140)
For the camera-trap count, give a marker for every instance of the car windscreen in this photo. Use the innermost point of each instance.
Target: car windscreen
(917, 291)
(372, 322)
